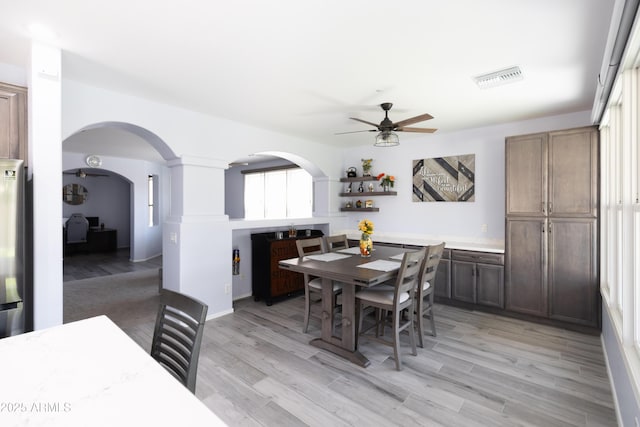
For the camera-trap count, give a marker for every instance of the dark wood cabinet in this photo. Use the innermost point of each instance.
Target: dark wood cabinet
(477, 278)
(13, 122)
(526, 266)
(98, 240)
(573, 280)
(442, 287)
(552, 225)
(268, 281)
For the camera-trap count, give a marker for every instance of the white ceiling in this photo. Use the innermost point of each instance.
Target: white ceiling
(303, 67)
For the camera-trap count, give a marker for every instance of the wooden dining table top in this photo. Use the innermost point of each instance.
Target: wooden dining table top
(346, 269)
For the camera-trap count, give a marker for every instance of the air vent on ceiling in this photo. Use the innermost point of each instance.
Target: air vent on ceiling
(498, 78)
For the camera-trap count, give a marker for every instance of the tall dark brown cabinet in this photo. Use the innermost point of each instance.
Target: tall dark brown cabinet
(551, 231)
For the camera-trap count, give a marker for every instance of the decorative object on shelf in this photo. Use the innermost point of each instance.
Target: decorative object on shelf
(349, 204)
(366, 244)
(360, 188)
(386, 181)
(370, 186)
(351, 172)
(292, 231)
(366, 167)
(359, 204)
(368, 203)
(349, 189)
(444, 179)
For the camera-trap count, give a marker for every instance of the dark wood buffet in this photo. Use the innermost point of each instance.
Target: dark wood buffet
(268, 281)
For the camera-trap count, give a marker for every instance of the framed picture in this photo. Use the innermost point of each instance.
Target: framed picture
(368, 203)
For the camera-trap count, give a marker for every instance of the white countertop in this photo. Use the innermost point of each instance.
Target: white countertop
(482, 245)
(90, 373)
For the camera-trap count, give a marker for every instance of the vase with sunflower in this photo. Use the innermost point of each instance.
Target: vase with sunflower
(366, 244)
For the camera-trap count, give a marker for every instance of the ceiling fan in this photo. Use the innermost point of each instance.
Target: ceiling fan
(387, 128)
(82, 174)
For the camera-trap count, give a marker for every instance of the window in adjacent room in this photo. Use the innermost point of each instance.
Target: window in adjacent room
(282, 192)
(152, 196)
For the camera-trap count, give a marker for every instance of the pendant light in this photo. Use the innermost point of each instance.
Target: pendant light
(386, 138)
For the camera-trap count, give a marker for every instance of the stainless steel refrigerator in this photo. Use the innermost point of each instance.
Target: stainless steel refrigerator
(12, 247)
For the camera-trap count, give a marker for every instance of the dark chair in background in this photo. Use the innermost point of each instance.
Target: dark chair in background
(178, 334)
(336, 242)
(76, 229)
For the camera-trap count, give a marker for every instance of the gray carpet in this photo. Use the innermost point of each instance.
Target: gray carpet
(128, 299)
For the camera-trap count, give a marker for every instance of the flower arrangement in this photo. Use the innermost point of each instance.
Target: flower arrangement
(366, 245)
(366, 227)
(366, 167)
(386, 180)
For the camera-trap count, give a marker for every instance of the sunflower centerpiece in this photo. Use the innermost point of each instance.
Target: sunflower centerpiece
(366, 244)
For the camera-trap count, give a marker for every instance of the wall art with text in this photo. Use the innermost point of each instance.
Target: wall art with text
(444, 179)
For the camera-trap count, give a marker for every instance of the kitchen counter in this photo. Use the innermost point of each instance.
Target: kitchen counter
(481, 245)
(90, 373)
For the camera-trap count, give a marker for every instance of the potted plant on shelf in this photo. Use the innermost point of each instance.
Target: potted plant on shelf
(386, 181)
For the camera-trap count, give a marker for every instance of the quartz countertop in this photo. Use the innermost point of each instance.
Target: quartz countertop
(90, 373)
(481, 245)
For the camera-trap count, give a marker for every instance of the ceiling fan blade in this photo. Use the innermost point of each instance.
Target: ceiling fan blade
(364, 121)
(419, 130)
(413, 120)
(356, 131)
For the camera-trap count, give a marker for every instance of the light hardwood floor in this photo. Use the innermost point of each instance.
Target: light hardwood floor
(257, 368)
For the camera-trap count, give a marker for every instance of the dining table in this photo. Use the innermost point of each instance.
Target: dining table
(354, 271)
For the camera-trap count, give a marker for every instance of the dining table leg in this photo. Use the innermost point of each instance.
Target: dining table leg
(344, 345)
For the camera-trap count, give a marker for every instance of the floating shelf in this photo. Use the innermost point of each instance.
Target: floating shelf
(360, 209)
(359, 178)
(369, 193)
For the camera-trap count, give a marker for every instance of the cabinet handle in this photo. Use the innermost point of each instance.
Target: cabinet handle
(542, 227)
(477, 271)
(550, 206)
(543, 208)
(549, 228)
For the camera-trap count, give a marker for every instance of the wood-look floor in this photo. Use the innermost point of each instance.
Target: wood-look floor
(84, 266)
(257, 369)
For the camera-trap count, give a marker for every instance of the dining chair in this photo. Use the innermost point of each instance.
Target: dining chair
(424, 296)
(394, 302)
(313, 284)
(178, 334)
(336, 242)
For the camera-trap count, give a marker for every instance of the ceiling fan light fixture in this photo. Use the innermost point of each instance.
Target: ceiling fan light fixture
(386, 139)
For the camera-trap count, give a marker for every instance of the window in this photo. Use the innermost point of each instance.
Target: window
(277, 193)
(152, 196)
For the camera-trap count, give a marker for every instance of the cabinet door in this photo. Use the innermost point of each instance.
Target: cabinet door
(573, 282)
(525, 266)
(526, 175)
(573, 172)
(284, 282)
(443, 279)
(13, 122)
(463, 281)
(490, 285)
